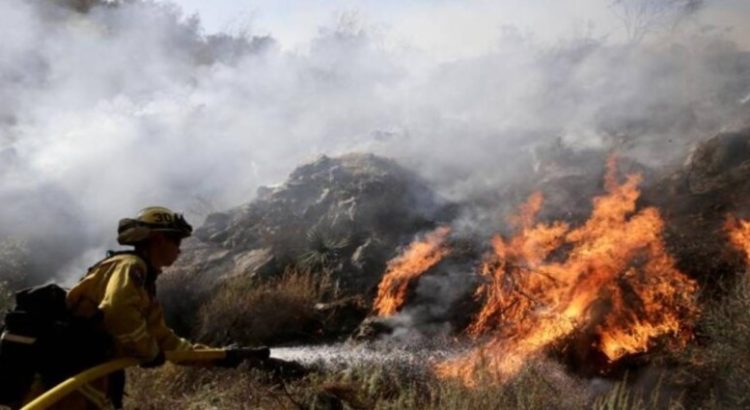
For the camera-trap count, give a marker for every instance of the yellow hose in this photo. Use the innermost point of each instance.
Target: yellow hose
(53, 395)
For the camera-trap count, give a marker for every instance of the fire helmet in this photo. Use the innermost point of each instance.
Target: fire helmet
(152, 219)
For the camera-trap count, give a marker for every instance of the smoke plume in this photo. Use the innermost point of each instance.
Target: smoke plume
(109, 107)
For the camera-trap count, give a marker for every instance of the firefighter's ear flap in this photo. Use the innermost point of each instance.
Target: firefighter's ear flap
(131, 231)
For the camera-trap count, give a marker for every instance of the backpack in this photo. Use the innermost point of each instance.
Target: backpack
(40, 337)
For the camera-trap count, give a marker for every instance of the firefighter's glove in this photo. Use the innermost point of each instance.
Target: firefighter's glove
(231, 359)
(155, 362)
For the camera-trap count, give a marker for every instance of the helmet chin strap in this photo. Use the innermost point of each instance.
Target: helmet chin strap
(155, 251)
(145, 250)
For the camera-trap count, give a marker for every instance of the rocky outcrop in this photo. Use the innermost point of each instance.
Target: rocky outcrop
(348, 216)
(695, 201)
(721, 162)
(345, 216)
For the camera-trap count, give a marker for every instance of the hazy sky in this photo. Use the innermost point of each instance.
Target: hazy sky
(445, 28)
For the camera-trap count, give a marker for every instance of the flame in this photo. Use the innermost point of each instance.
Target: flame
(419, 257)
(611, 276)
(739, 235)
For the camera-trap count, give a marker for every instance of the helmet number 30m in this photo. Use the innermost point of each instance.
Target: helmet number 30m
(163, 218)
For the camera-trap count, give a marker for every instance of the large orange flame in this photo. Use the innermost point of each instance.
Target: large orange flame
(420, 256)
(611, 277)
(739, 235)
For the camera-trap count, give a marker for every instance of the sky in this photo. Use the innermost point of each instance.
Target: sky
(106, 112)
(445, 28)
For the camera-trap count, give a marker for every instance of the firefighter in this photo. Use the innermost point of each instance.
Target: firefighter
(120, 293)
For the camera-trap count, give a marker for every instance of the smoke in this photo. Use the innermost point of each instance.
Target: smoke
(129, 105)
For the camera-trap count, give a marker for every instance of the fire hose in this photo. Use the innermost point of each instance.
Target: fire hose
(66, 387)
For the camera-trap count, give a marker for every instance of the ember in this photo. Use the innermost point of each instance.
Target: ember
(613, 279)
(419, 257)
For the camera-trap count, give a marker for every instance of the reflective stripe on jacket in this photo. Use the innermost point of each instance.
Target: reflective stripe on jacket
(122, 289)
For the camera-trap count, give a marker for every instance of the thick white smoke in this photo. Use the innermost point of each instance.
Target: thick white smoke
(104, 112)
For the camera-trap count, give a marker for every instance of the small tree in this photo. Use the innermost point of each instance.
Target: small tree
(642, 17)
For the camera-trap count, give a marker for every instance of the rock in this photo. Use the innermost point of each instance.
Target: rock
(371, 329)
(695, 200)
(368, 254)
(213, 227)
(720, 162)
(345, 216)
(256, 262)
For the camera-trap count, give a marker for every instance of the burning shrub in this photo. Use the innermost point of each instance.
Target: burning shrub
(416, 259)
(739, 235)
(615, 285)
(249, 311)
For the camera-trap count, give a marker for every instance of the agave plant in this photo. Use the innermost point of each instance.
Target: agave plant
(323, 249)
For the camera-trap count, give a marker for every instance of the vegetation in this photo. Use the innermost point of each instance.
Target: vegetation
(323, 250)
(250, 312)
(717, 367)
(641, 17)
(713, 373)
(370, 386)
(14, 256)
(6, 298)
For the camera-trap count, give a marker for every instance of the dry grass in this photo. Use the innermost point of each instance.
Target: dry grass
(717, 368)
(181, 293)
(250, 313)
(361, 387)
(199, 388)
(623, 397)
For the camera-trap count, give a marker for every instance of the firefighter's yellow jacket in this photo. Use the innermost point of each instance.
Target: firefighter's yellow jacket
(122, 290)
